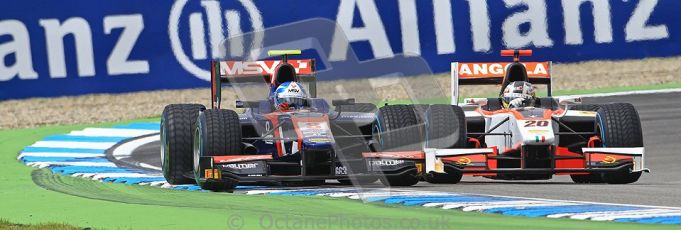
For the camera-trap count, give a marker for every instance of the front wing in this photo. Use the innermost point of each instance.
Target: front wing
(484, 161)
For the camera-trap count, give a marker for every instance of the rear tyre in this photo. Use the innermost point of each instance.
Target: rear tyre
(619, 126)
(445, 128)
(177, 128)
(397, 129)
(217, 133)
(358, 107)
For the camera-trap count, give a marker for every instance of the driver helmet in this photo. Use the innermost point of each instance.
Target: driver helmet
(290, 95)
(518, 94)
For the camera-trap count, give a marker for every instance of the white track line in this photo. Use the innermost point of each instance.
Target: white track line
(581, 202)
(113, 132)
(50, 154)
(74, 144)
(509, 205)
(43, 164)
(637, 92)
(125, 150)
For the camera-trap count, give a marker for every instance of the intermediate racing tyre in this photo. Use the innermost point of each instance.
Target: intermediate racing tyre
(177, 128)
(619, 126)
(358, 107)
(445, 128)
(217, 133)
(397, 129)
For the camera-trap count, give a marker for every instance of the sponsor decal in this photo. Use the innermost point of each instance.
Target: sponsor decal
(257, 68)
(319, 140)
(538, 131)
(242, 166)
(463, 161)
(587, 113)
(227, 159)
(386, 162)
(498, 69)
(314, 129)
(609, 160)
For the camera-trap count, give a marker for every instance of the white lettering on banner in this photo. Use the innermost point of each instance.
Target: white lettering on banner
(118, 62)
(197, 33)
(572, 16)
(444, 26)
(480, 25)
(637, 30)
(372, 32)
(409, 23)
(21, 48)
(207, 27)
(54, 36)
(535, 16)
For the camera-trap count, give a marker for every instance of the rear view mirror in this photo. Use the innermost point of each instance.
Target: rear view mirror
(563, 101)
(246, 104)
(475, 101)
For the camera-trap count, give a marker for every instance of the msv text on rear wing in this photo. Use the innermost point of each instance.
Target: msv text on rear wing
(262, 71)
(499, 73)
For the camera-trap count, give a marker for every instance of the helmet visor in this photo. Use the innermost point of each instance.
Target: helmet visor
(294, 102)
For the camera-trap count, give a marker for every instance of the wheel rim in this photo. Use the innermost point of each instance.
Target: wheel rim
(197, 150)
(164, 144)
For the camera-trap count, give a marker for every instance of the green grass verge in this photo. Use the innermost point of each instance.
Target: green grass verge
(445, 100)
(84, 203)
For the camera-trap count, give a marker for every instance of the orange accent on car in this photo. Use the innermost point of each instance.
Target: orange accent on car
(418, 155)
(239, 158)
(475, 142)
(592, 141)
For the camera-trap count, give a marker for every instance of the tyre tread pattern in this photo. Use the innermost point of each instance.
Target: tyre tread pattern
(621, 127)
(179, 121)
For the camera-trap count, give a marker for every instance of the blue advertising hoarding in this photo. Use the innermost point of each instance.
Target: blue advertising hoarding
(72, 47)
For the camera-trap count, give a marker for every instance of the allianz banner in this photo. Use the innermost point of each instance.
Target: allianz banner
(72, 47)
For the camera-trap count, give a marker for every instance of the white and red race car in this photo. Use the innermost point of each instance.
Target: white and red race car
(481, 137)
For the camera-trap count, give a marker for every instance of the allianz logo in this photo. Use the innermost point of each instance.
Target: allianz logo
(220, 24)
(207, 22)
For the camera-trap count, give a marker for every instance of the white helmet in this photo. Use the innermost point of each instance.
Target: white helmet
(518, 94)
(291, 93)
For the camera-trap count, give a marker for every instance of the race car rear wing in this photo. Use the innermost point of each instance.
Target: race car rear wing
(233, 72)
(495, 73)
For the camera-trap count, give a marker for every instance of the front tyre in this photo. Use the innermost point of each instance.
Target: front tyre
(397, 129)
(445, 128)
(619, 126)
(177, 127)
(217, 133)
